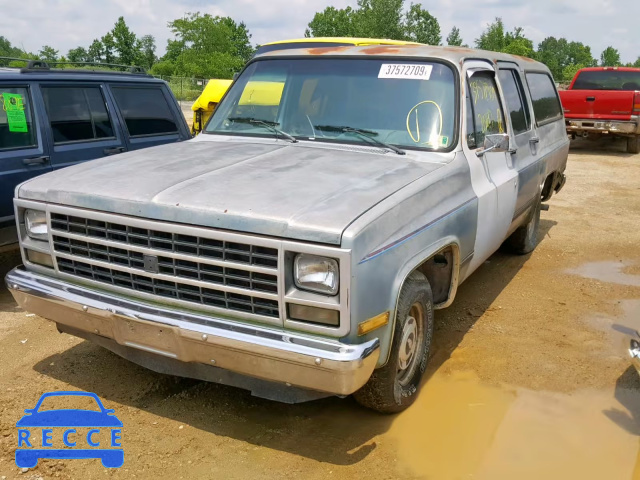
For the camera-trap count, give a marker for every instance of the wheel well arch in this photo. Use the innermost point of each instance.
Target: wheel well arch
(440, 263)
(551, 184)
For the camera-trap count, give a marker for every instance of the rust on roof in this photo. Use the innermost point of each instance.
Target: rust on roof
(327, 49)
(453, 49)
(525, 59)
(380, 49)
(456, 55)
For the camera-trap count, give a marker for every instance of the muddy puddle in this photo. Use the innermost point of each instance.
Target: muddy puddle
(460, 429)
(610, 272)
(628, 322)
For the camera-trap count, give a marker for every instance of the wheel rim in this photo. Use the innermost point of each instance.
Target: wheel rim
(410, 344)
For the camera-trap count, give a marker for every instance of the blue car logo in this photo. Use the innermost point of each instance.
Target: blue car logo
(32, 447)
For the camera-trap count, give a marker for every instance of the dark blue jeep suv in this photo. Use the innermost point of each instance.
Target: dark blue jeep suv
(53, 118)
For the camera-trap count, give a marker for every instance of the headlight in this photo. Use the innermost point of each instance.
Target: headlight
(36, 224)
(316, 274)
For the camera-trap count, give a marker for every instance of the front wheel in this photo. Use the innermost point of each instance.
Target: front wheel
(633, 144)
(393, 388)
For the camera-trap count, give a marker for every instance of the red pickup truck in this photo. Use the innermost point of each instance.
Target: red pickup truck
(604, 101)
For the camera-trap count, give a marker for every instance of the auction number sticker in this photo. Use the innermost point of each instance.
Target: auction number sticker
(405, 70)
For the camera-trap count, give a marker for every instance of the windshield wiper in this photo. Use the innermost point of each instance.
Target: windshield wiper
(368, 134)
(265, 123)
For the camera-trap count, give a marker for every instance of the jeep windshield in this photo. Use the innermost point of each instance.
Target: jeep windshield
(374, 102)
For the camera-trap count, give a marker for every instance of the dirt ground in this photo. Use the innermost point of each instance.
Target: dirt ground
(528, 379)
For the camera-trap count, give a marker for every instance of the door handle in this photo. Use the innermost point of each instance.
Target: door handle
(591, 99)
(36, 160)
(113, 151)
(534, 140)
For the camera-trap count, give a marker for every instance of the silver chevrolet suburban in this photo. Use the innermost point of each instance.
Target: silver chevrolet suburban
(299, 246)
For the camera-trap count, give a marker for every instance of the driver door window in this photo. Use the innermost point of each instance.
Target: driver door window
(487, 114)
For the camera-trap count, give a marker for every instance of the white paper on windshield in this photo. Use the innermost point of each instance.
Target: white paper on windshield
(405, 71)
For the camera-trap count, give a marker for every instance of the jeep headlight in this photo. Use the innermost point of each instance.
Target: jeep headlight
(316, 274)
(36, 224)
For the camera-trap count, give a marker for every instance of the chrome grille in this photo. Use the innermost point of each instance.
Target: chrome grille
(168, 241)
(211, 272)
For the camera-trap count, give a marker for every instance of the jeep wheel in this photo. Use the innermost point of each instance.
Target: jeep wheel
(393, 387)
(633, 144)
(525, 239)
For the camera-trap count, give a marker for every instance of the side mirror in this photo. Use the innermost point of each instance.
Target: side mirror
(496, 142)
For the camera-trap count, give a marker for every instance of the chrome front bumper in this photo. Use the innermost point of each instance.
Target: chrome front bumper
(265, 353)
(634, 351)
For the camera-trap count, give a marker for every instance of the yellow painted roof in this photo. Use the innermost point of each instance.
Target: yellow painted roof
(354, 41)
(213, 92)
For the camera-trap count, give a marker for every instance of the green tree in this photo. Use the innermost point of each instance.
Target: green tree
(377, 19)
(174, 49)
(332, 22)
(610, 57)
(8, 50)
(380, 19)
(554, 53)
(95, 51)
(207, 46)
(454, 39)
(570, 71)
(48, 53)
(636, 63)
(78, 54)
(421, 26)
(108, 48)
(124, 43)
(146, 51)
(580, 54)
(164, 68)
(495, 38)
(240, 39)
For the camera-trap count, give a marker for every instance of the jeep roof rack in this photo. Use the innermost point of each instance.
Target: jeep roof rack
(43, 65)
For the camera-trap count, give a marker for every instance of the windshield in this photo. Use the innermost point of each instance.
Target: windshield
(608, 80)
(408, 104)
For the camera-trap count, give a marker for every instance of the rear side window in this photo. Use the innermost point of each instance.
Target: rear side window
(16, 124)
(516, 100)
(546, 105)
(626, 80)
(145, 111)
(488, 117)
(77, 114)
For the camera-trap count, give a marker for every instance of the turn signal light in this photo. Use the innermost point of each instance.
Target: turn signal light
(373, 323)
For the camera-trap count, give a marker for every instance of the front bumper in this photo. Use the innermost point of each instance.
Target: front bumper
(631, 127)
(265, 353)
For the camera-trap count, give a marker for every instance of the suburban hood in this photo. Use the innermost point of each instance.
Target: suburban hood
(284, 190)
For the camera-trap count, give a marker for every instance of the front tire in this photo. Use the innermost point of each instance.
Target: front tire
(393, 388)
(633, 144)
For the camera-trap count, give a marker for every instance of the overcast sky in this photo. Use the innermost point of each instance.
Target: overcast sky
(65, 24)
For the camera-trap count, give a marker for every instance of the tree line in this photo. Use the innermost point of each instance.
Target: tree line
(205, 46)
(391, 19)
